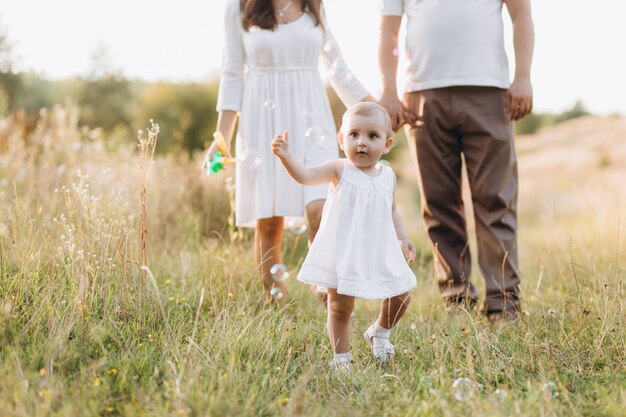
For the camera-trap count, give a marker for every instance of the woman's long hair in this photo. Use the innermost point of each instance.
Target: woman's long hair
(261, 13)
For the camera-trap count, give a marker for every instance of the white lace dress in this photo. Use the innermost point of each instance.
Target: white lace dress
(356, 249)
(272, 78)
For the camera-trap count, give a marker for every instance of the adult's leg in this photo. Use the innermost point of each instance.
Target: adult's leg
(488, 147)
(267, 250)
(392, 310)
(338, 320)
(314, 217)
(435, 144)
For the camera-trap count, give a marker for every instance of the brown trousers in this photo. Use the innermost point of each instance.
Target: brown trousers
(468, 122)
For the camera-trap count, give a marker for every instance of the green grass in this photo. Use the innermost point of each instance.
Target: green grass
(85, 332)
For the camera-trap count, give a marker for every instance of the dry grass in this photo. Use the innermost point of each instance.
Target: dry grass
(83, 331)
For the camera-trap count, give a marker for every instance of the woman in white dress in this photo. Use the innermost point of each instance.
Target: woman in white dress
(271, 79)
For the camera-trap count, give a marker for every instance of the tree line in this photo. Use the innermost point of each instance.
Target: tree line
(120, 106)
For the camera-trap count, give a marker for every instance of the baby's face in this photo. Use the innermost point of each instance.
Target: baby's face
(364, 139)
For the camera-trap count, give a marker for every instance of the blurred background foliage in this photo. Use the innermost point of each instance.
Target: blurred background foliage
(121, 106)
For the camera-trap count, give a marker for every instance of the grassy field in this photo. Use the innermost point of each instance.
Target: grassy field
(86, 331)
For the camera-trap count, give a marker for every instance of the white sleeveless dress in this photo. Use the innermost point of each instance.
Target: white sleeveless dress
(356, 249)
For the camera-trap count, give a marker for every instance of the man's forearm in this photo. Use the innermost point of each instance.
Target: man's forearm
(524, 43)
(388, 60)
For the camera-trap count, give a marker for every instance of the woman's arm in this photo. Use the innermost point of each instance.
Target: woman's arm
(232, 78)
(343, 81)
(326, 172)
(232, 82)
(226, 121)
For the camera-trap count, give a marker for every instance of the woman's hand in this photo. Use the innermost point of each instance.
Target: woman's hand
(408, 248)
(280, 145)
(208, 155)
(215, 146)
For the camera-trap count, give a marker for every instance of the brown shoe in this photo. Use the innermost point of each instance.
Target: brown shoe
(460, 302)
(502, 317)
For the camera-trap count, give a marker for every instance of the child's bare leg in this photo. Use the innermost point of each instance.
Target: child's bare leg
(338, 320)
(267, 241)
(393, 309)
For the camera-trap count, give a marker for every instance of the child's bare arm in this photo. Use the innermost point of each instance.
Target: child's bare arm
(407, 246)
(329, 171)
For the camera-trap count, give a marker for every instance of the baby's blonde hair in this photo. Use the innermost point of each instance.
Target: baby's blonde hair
(367, 108)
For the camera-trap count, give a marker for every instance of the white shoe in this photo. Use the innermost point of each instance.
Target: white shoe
(342, 362)
(383, 351)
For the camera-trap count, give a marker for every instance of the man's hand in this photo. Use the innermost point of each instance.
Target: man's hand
(408, 248)
(280, 145)
(519, 101)
(398, 114)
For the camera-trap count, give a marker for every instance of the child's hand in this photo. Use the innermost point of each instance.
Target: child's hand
(280, 145)
(408, 248)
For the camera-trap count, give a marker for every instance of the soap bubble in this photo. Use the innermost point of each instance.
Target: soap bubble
(279, 273)
(338, 68)
(463, 389)
(295, 226)
(396, 52)
(300, 230)
(269, 104)
(426, 381)
(276, 293)
(254, 29)
(549, 390)
(230, 184)
(250, 160)
(96, 75)
(315, 134)
(501, 394)
(328, 46)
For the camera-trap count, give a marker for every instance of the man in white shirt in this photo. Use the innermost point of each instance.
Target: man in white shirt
(459, 103)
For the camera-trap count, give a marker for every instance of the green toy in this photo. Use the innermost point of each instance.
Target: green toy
(221, 157)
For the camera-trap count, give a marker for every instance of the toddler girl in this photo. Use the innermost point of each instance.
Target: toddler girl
(358, 250)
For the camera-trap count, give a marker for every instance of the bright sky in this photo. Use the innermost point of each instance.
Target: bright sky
(579, 50)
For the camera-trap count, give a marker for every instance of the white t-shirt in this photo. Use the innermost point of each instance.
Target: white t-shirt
(452, 42)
